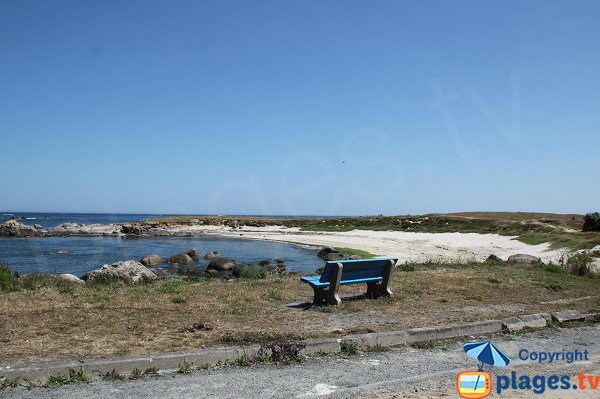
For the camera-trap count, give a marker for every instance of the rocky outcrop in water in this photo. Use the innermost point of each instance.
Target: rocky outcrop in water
(129, 271)
(221, 263)
(12, 228)
(185, 258)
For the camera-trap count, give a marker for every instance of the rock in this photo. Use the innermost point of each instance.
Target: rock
(264, 263)
(132, 229)
(70, 277)
(192, 253)
(493, 258)
(221, 263)
(274, 268)
(523, 258)
(279, 260)
(129, 271)
(329, 253)
(567, 316)
(12, 228)
(151, 260)
(353, 257)
(181, 258)
(59, 252)
(238, 269)
(211, 255)
(37, 226)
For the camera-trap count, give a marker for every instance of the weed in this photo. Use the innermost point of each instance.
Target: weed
(243, 361)
(136, 374)
(178, 299)
(349, 348)
(443, 300)
(151, 372)
(377, 348)
(113, 375)
(553, 268)
(580, 263)
(493, 280)
(186, 368)
(74, 377)
(320, 354)
(6, 383)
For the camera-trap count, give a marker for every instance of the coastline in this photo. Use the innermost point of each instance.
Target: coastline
(409, 246)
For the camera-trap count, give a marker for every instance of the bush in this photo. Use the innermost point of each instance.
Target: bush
(591, 222)
(580, 263)
(8, 280)
(253, 272)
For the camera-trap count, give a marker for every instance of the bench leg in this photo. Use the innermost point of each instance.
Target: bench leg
(375, 290)
(327, 296)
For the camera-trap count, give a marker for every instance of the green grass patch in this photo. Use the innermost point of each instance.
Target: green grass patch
(357, 252)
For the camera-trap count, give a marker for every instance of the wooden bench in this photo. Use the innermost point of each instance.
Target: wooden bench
(376, 273)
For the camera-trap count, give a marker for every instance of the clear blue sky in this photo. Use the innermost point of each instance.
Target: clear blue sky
(299, 107)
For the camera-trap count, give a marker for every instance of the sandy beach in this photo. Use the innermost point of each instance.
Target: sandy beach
(409, 247)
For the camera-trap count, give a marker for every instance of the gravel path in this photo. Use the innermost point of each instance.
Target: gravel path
(401, 373)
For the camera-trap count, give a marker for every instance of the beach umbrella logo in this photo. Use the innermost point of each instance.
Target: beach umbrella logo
(478, 384)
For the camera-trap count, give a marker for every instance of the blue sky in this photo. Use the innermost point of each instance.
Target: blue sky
(299, 107)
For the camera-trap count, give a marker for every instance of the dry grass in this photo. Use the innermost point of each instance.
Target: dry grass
(49, 323)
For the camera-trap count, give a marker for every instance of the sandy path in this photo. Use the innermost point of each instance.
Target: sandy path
(407, 246)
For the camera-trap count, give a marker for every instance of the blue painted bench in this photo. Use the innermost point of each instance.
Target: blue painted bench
(376, 273)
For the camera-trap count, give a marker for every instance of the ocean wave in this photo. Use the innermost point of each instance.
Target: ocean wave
(30, 218)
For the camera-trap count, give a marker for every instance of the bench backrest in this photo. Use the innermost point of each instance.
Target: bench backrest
(357, 269)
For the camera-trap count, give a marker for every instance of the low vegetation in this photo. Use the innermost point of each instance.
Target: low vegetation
(53, 319)
(591, 222)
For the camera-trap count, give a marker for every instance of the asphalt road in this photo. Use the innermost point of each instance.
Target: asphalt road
(401, 373)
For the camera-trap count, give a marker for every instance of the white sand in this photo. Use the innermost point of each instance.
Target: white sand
(404, 245)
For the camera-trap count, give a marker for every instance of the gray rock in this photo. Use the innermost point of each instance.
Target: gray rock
(264, 263)
(523, 258)
(221, 263)
(151, 260)
(211, 255)
(134, 229)
(279, 260)
(238, 269)
(12, 228)
(493, 258)
(192, 253)
(181, 258)
(37, 226)
(567, 316)
(70, 277)
(129, 271)
(280, 268)
(329, 253)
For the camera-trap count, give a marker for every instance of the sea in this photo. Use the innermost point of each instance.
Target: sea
(78, 255)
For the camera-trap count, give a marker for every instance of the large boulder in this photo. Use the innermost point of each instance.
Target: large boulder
(493, 258)
(181, 258)
(151, 260)
(129, 271)
(221, 263)
(523, 258)
(328, 253)
(211, 255)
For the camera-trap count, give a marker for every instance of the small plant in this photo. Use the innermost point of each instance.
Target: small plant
(178, 299)
(151, 372)
(493, 280)
(253, 272)
(136, 374)
(349, 348)
(6, 383)
(74, 377)
(580, 263)
(591, 222)
(553, 268)
(443, 300)
(243, 361)
(407, 267)
(320, 354)
(377, 348)
(113, 375)
(286, 349)
(186, 368)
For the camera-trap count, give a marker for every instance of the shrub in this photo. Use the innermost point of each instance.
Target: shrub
(580, 263)
(591, 222)
(286, 348)
(8, 280)
(253, 272)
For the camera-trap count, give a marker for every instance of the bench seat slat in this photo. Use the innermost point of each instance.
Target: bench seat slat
(314, 281)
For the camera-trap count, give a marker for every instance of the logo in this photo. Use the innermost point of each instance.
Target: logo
(474, 384)
(478, 384)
